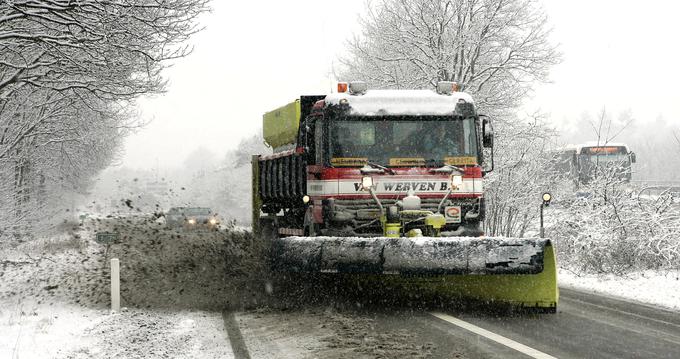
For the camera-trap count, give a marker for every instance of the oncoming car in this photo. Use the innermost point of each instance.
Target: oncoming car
(191, 217)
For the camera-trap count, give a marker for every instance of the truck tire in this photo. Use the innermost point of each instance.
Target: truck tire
(269, 229)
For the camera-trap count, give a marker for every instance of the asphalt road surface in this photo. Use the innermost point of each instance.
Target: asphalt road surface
(585, 326)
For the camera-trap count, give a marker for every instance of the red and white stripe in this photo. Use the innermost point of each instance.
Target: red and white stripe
(291, 232)
(345, 183)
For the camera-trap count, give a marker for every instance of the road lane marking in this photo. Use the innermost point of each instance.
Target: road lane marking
(648, 332)
(640, 316)
(493, 336)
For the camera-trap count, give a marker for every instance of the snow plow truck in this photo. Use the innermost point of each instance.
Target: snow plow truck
(388, 184)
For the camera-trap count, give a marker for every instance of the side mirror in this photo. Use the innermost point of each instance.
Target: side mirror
(487, 141)
(632, 157)
(487, 133)
(308, 136)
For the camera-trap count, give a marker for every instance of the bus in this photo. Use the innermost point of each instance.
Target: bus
(584, 162)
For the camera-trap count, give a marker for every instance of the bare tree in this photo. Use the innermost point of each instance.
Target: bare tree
(70, 72)
(606, 130)
(497, 48)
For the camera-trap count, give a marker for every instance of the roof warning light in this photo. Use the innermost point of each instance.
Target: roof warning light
(448, 87)
(358, 87)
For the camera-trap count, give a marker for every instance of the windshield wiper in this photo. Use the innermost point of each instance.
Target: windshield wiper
(448, 169)
(380, 167)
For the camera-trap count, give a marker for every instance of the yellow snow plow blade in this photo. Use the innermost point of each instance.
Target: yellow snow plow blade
(537, 290)
(516, 271)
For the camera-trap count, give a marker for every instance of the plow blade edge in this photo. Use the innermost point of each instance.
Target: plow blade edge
(510, 270)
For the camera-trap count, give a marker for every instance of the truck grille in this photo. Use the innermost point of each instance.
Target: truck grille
(361, 211)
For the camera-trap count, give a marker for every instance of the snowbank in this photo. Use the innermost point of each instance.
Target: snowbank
(31, 330)
(54, 292)
(657, 288)
(160, 267)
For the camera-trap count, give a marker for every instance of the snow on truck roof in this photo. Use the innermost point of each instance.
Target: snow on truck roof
(400, 102)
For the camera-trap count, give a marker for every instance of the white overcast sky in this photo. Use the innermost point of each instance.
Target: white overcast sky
(254, 56)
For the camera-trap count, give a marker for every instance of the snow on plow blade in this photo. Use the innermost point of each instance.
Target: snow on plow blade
(511, 270)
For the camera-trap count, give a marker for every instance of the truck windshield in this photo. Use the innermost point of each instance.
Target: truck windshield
(619, 158)
(605, 156)
(403, 141)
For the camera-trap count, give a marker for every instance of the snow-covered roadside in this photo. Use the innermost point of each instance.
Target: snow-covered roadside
(31, 330)
(54, 297)
(147, 333)
(656, 288)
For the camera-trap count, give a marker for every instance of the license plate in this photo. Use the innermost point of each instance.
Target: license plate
(452, 214)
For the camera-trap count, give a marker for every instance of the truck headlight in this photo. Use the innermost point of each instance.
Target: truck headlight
(366, 183)
(456, 181)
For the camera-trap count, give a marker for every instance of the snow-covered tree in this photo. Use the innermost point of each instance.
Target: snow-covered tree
(497, 48)
(70, 72)
(236, 177)
(618, 230)
(249, 146)
(521, 176)
(113, 49)
(654, 141)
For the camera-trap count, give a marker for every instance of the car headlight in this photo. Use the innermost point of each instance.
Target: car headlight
(213, 221)
(192, 221)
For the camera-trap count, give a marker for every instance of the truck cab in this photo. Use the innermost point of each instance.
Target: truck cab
(378, 163)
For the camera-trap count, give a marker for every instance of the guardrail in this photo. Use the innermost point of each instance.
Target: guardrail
(657, 187)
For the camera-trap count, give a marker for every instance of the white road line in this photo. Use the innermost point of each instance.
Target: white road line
(493, 336)
(624, 312)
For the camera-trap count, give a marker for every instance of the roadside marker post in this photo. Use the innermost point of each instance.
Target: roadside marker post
(107, 239)
(115, 285)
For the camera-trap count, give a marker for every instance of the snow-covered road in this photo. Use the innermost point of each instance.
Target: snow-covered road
(177, 284)
(586, 326)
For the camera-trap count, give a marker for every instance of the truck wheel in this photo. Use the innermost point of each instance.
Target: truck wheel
(269, 229)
